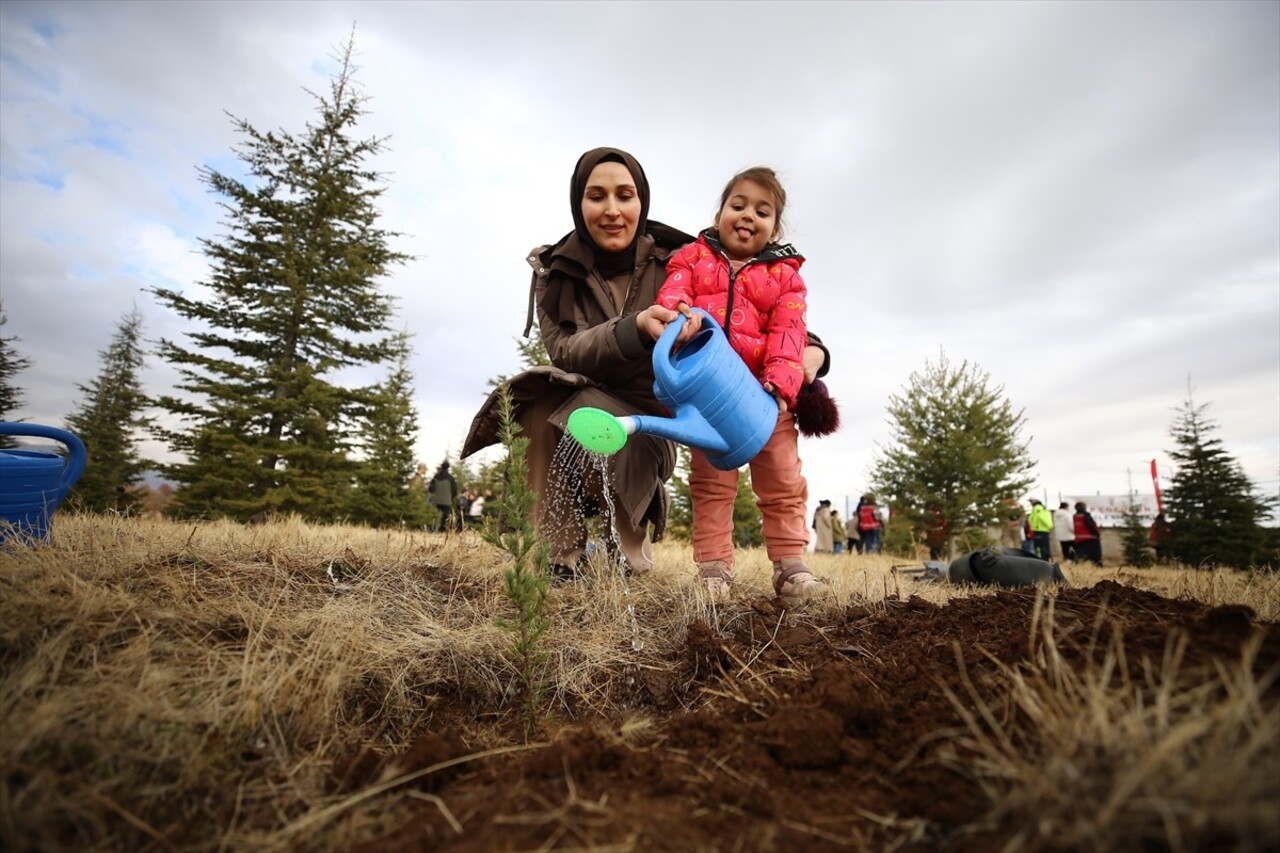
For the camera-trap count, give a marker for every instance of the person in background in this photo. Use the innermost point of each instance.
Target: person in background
(749, 283)
(1064, 531)
(822, 531)
(1041, 524)
(442, 491)
(869, 525)
(935, 533)
(1161, 537)
(1012, 533)
(854, 542)
(462, 509)
(475, 514)
(1088, 542)
(837, 532)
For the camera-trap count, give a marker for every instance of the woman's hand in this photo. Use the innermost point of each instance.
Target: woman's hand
(653, 321)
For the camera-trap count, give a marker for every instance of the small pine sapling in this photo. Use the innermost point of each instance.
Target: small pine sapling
(526, 583)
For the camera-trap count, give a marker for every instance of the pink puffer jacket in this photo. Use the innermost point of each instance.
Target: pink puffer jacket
(767, 325)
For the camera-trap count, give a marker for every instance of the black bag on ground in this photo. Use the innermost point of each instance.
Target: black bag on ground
(1007, 567)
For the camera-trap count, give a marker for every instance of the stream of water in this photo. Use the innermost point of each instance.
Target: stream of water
(576, 479)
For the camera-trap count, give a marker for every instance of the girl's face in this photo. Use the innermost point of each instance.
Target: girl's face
(748, 221)
(611, 207)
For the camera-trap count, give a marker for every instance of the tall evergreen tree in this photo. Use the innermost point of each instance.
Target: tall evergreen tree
(956, 453)
(110, 419)
(11, 363)
(293, 300)
(384, 493)
(1215, 515)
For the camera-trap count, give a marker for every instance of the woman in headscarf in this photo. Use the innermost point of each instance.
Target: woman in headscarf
(593, 294)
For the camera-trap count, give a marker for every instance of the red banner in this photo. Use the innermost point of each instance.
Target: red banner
(1155, 481)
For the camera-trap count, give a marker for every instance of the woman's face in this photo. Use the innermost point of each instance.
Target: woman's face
(611, 207)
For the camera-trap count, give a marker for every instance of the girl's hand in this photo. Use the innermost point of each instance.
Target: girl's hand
(692, 323)
(812, 359)
(773, 392)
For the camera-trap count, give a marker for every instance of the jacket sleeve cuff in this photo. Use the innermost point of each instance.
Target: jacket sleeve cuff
(630, 344)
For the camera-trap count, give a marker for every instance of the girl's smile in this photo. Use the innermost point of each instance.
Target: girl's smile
(748, 221)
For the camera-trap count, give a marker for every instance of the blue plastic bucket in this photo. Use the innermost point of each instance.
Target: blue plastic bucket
(33, 483)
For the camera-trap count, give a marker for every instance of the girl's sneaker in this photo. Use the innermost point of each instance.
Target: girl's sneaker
(717, 580)
(794, 583)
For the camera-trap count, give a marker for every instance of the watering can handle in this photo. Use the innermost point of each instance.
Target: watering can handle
(75, 462)
(662, 349)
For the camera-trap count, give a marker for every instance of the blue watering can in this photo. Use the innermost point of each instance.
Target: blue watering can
(33, 483)
(720, 407)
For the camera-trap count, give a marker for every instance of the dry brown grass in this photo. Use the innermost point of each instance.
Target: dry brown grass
(1089, 758)
(210, 675)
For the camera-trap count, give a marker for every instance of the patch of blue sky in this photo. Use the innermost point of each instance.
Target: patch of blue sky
(33, 170)
(104, 134)
(57, 237)
(46, 28)
(19, 74)
(83, 272)
(193, 209)
(231, 166)
(149, 275)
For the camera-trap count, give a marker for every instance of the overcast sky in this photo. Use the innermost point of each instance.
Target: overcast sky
(1083, 199)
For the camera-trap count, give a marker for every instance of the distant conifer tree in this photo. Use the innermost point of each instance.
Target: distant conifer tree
(384, 493)
(1215, 515)
(292, 300)
(956, 455)
(110, 419)
(11, 363)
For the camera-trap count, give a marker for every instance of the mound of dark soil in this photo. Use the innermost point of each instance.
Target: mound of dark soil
(785, 733)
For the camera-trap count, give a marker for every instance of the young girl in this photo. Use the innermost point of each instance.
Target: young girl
(740, 275)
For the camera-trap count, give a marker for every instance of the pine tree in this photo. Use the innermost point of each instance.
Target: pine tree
(680, 502)
(109, 421)
(384, 494)
(1136, 538)
(1215, 515)
(11, 363)
(293, 300)
(748, 526)
(956, 452)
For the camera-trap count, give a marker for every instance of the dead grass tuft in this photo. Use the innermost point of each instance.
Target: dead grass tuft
(1089, 757)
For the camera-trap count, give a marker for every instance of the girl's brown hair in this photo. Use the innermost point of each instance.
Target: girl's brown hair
(765, 177)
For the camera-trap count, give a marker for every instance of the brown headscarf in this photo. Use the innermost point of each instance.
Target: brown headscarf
(608, 264)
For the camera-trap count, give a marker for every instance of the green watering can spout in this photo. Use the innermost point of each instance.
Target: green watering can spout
(599, 431)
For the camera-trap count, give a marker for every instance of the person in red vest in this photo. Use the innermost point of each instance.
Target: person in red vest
(1088, 538)
(1161, 535)
(869, 525)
